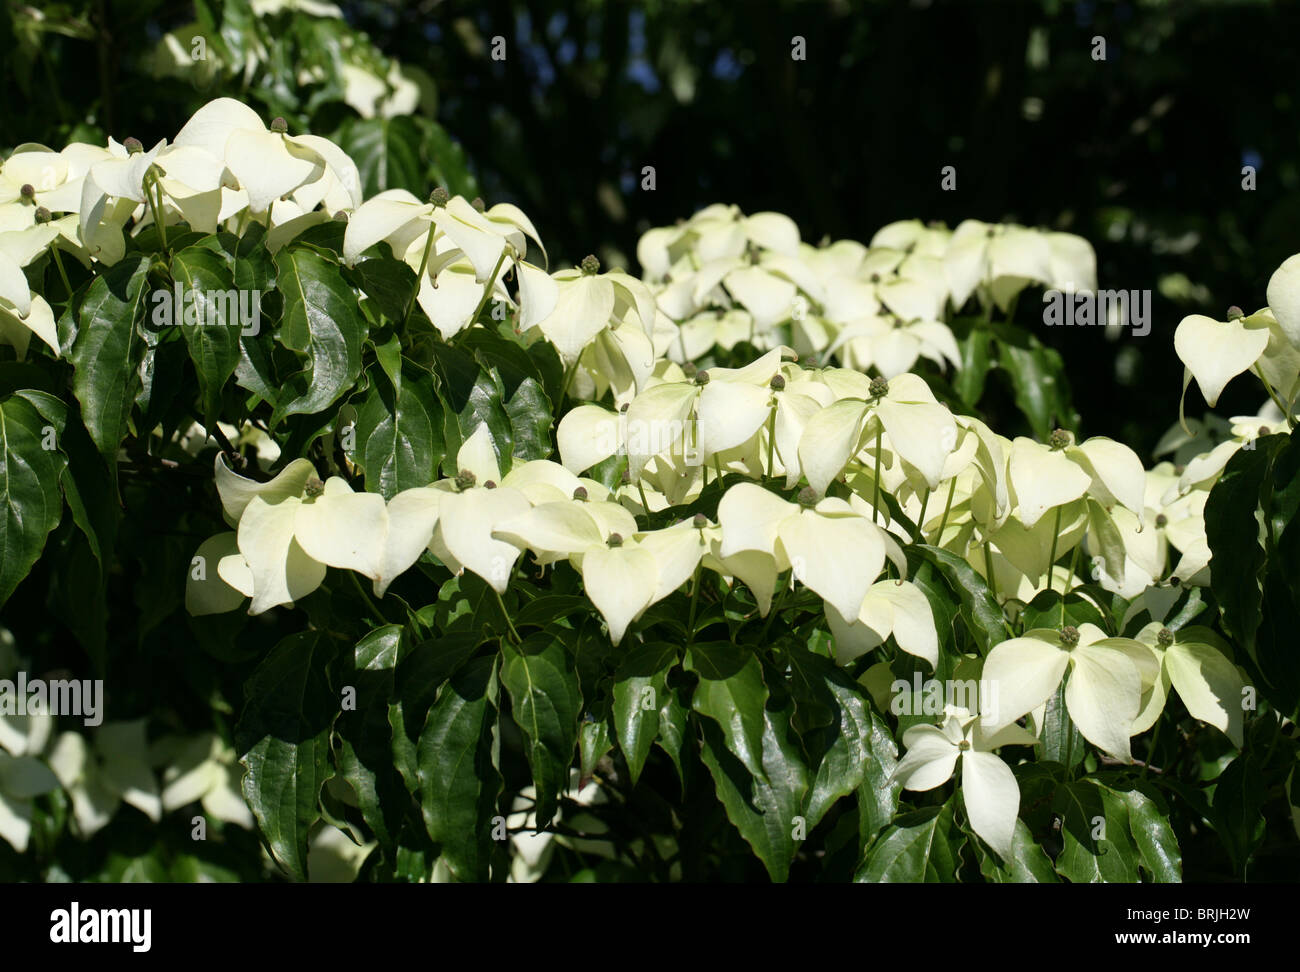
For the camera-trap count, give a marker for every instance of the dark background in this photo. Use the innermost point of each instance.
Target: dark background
(1141, 153)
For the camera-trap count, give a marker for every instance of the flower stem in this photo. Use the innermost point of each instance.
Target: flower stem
(777, 602)
(1151, 750)
(514, 635)
(419, 276)
(920, 522)
(1056, 535)
(988, 569)
(1069, 581)
(487, 290)
(771, 442)
(369, 602)
(151, 183)
(875, 489)
(952, 488)
(58, 262)
(1286, 412)
(640, 488)
(695, 600)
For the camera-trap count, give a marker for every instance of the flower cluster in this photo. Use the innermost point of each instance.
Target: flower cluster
(823, 462)
(726, 278)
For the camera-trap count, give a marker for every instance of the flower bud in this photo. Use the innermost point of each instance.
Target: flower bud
(314, 487)
(279, 125)
(615, 540)
(590, 265)
(439, 197)
(132, 146)
(28, 191)
(777, 383)
(490, 484)
(477, 203)
(580, 493)
(1161, 520)
(1165, 638)
(699, 521)
(1235, 313)
(879, 388)
(42, 215)
(807, 497)
(465, 480)
(701, 377)
(1059, 439)
(341, 216)
(1069, 636)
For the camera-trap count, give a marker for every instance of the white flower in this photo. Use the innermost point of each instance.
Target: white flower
(988, 786)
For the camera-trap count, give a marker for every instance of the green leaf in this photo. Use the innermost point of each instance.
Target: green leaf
(468, 604)
(251, 266)
(974, 345)
(1238, 817)
(387, 154)
(1062, 741)
(388, 282)
(419, 676)
(854, 742)
(107, 353)
(205, 283)
(399, 434)
(530, 421)
(674, 727)
(551, 607)
(448, 163)
(365, 737)
(767, 809)
(470, 396)
(1045, 611)
(1157, 845)
(979, 609)
(640, 688)
(1097, 844)
(284, 736)
(322, 321)
(543, 685)
(30, 468)
(458, 782)
(1232, 531)
(919, 847)
(1041, 390)
(733, 694)
(593, 743)
(1029, 863)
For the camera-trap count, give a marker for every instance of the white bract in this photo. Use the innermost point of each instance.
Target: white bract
(988, 786)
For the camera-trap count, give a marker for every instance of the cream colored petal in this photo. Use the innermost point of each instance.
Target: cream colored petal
(621, 583)
(837, 557)
(992, 799)
(1104, 696)
(282, 571)
(237, 491)
(210, 593)
(1042, 479)
(1216, 352)
(465, 524)
(1023, 672)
